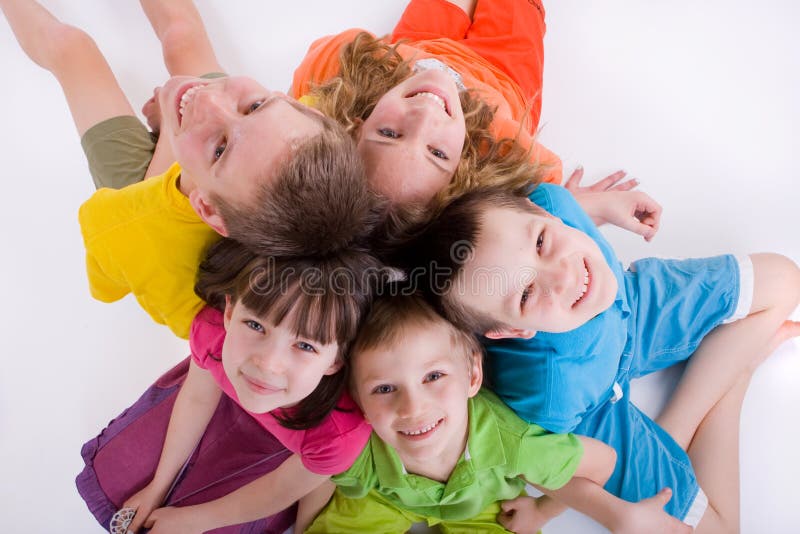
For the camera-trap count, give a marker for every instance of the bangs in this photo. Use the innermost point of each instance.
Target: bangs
(305, 300)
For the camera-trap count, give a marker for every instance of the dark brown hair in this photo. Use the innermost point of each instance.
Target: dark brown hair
(369, 68)
(315, 202)
(433, 254)
(323, 298)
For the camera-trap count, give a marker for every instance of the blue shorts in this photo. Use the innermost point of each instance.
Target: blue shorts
(674, 305)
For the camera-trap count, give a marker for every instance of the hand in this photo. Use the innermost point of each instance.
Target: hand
(631, 210)
(152, 112)
(170, 520)
(609, 183)
(144, 502)
(648, 515)
(522, 515)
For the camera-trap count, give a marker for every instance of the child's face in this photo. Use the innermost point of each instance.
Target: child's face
(533, 272)
(228, 134)
(415, 393)
(269, 366)
(411, 143)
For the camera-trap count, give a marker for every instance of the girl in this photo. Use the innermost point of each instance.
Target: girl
(451, 100)
(274, 338)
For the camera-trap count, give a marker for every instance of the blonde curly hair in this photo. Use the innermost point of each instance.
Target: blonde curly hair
(370, 67)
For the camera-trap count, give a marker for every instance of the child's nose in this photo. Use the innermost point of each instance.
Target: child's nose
(213, 106)
(410, 404)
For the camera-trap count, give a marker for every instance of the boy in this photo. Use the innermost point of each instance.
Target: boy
(446, 452)
(545, 267)
(251, 162)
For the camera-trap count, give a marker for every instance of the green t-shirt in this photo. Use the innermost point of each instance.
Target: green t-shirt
(501, 448)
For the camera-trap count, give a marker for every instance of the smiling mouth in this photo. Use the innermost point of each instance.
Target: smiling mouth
(583, 288)
(184, 97)
(260, 387)
(435, 97)
(421, 432)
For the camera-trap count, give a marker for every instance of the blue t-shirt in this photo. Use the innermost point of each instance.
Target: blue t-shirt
(555, 379)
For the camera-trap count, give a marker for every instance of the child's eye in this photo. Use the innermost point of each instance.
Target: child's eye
(306, 347)
(388, 132)
(220, 150)
(540, 241)
(438, 153)
(253, 325)
(254, 106)
(525, 295)
(433, 376)
(383, 389)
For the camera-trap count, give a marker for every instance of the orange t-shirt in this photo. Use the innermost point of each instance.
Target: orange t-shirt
(438, 29)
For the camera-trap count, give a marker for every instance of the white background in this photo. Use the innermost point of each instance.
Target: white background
(699, 100)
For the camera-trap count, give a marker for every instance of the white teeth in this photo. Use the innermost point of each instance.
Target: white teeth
(436, 98)
(187, 97)
(421, 430)
(582, 290)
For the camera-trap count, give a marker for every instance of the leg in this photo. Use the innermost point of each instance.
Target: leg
(732, 349)
(715, 455)
(510, 35)
(184, 42)
(92, 91)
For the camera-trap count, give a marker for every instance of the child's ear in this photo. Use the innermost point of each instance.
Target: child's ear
(475, 374)
(509, 333)
(226, 316)
(207, 212)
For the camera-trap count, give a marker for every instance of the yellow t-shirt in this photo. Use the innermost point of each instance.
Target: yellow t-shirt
(147, 240)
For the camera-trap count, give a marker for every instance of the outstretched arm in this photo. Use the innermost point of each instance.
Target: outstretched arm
(312, 504)
(585, 493)
(92, 91)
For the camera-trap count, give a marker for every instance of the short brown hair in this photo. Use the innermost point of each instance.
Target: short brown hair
(434, 253)
(386, 324)
(314, 203)
(325, 298)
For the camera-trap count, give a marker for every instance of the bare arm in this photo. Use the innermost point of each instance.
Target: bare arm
(312, 504)
(92, 91)
(263, 497)
(585, 493)
(194, 406)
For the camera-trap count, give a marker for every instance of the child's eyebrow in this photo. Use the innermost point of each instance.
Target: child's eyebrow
(221, 165)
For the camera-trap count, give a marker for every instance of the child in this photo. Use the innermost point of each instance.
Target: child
(446, 452)
(541, 283)
(245, 155)
(275, 339)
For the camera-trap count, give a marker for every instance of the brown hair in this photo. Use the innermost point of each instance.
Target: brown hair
(370, 68)
(390, 316)
(316, 202)
(324, 299)
(433, 254)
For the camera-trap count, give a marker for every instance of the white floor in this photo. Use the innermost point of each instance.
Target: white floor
(699, 100)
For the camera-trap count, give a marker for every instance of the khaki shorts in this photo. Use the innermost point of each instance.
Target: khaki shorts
(119, 149)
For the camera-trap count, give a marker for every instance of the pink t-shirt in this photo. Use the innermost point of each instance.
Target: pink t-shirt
(327, 449)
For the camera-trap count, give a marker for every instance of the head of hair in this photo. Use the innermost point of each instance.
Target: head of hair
(316, 202)
(388, 321)
(433, 254)
(370, 68)
(319, 298)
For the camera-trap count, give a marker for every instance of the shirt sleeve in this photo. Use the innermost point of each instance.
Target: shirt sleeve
(547, 459)
(431, 19)
(334, 445)
(360, 478)
(107, 283)
(321, 62)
